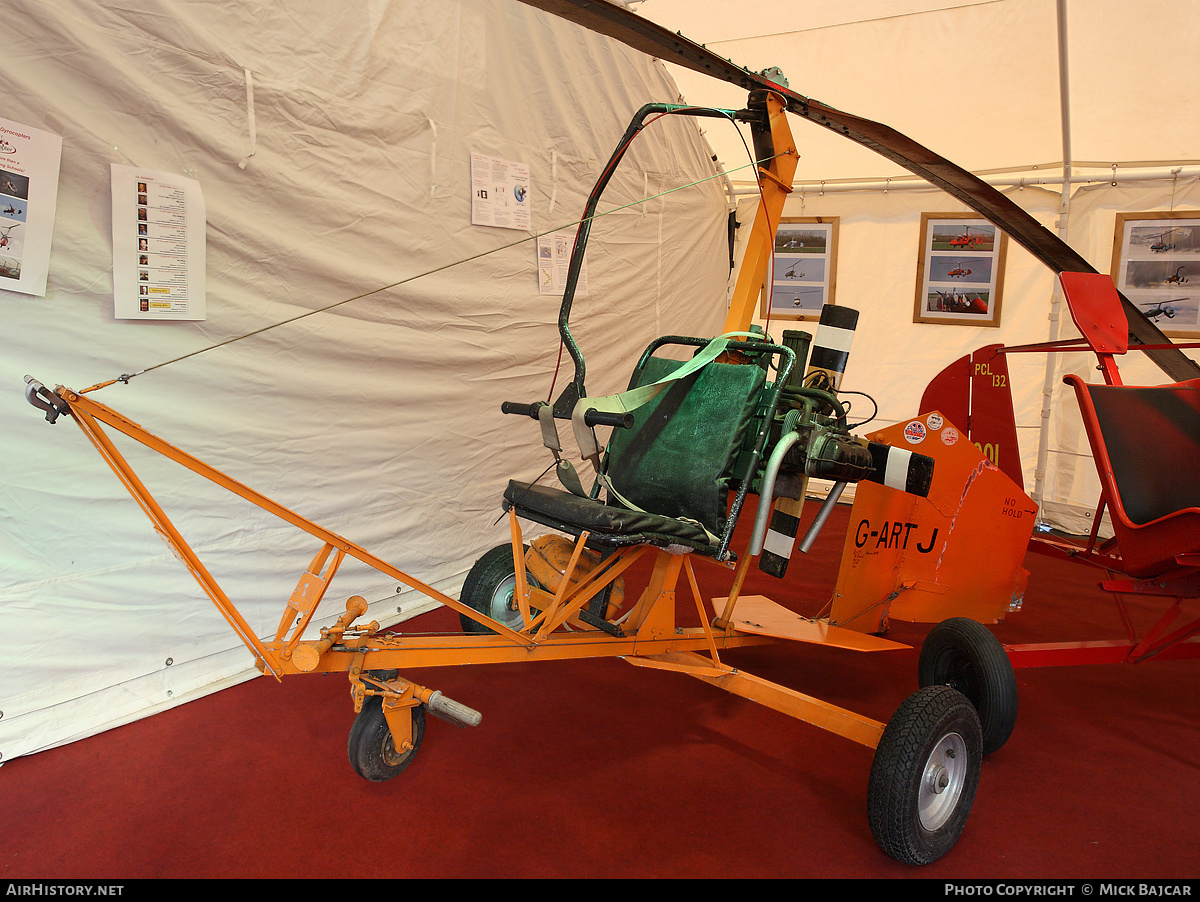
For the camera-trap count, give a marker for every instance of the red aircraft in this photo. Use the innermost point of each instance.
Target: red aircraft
(966, 239)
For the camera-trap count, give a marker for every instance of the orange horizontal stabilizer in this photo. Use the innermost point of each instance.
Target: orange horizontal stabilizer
(759, 615)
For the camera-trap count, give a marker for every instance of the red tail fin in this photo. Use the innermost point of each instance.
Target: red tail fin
(975, 395)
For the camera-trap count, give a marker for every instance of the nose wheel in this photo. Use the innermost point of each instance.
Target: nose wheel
(374, 754)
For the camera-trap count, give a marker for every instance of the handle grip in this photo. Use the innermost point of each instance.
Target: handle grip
(527, 410)
(600, 418)
(450, 710)
(590, 418)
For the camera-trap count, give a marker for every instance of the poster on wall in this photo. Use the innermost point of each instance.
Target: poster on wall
(553, 262)
(805, 270)
(1156, 264)
(499, 193)
(158, 222)
(960, 270)
(29, 162)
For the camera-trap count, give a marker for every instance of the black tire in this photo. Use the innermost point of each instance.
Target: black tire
(489, 588)
(371, 748)
(924, 775)
(964, 654)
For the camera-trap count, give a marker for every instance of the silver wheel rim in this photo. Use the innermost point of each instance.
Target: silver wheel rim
(942, 781)
(502, 607)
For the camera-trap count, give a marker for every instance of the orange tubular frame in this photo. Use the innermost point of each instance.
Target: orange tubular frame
(650, 639)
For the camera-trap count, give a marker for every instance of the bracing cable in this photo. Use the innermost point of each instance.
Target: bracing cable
(125, 378)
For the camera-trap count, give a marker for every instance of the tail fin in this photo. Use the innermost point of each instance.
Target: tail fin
(975, 394)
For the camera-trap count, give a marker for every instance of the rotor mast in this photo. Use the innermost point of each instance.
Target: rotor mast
(774, 146)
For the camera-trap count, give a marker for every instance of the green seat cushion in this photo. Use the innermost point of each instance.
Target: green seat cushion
(676, 459)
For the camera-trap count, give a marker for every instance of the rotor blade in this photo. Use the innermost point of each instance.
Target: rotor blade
(641, 34)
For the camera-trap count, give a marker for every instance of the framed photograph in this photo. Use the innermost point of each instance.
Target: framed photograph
(1156, 264)
(960, 270)
(805, 271)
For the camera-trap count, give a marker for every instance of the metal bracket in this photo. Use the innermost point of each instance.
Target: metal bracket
(45, 400)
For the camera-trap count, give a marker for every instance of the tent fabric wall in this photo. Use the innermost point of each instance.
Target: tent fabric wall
(379, 418)
(974, 81)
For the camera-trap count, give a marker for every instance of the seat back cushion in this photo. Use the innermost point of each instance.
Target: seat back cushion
(677, 458)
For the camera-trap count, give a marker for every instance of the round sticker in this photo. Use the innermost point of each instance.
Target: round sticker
(949, 435)
(935, 421)
(914, 432)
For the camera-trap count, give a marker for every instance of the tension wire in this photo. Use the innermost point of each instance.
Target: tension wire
(124, 378)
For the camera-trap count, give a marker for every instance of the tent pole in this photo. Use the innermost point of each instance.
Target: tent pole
(1064, 213)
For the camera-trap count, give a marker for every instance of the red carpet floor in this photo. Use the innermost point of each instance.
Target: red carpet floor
(596, 769)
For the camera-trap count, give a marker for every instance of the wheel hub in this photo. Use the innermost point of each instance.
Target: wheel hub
(939, 780)
(958, 674)
(504, 607)
(942, 782)
(391, 755)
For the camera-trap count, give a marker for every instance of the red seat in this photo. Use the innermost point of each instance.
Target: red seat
(1146, 444)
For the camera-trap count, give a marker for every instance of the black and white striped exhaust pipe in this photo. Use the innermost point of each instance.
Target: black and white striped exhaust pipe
(831, 347)
(901, 469)
(826, 366)
(896, 468)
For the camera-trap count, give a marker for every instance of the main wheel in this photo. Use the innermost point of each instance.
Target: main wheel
(372, 749)
(490, 588)
(964, 654)
(924, 775)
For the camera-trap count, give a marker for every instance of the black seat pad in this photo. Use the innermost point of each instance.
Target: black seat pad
(607, 525)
